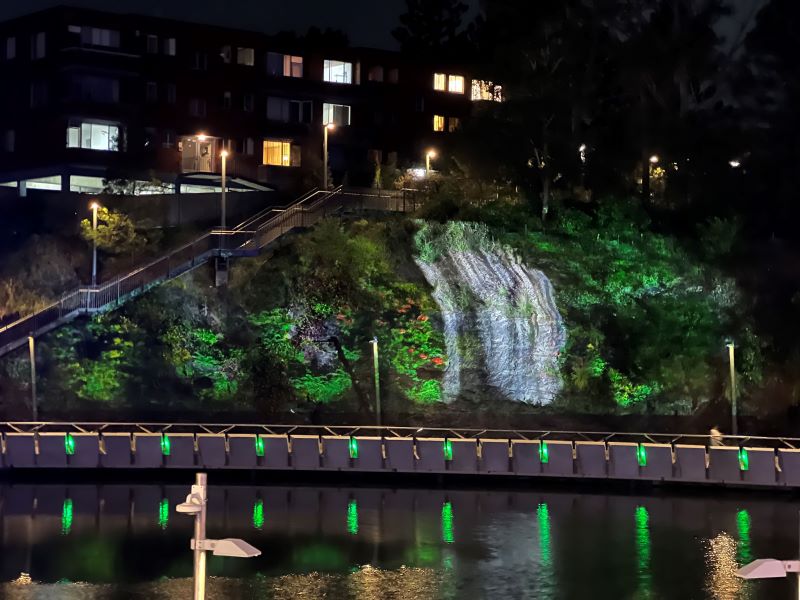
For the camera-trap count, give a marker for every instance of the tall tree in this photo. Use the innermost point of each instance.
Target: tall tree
(432, 27)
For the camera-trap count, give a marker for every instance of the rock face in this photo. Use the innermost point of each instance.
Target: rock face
(502, 328)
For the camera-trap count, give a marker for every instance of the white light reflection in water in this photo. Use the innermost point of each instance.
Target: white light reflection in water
(722, 582)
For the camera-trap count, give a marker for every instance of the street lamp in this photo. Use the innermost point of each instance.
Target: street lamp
(327, 128)
(734, 419)
(224, 155)
(430, 154)
(195, 506)
(94, 206)
(374, 342)
(654, 159)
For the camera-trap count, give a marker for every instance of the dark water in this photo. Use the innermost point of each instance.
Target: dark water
(118, 541)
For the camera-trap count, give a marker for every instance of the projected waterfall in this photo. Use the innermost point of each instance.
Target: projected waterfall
(501, 324)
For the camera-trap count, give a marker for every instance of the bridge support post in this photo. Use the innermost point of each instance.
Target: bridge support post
(221, 272)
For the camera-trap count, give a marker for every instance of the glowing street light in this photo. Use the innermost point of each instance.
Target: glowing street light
(429, 155)
(327, 128)
(94, 206)
(224, 155)
(654, 159)
(735, 164)
(734, 419)
(195, 505)
(202, 137)
(374, 342)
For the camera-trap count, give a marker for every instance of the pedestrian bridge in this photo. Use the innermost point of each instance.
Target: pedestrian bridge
(669, 458)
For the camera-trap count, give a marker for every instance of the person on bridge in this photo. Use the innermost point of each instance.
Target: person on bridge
(716, 436)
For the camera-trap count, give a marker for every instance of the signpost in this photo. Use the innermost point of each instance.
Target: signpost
(195, 505)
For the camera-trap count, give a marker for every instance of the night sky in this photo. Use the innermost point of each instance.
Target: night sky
(367, 22)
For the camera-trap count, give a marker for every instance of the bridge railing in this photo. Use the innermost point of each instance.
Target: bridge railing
(389, 432)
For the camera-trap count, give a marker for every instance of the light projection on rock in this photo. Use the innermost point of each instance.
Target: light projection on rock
(501, 324)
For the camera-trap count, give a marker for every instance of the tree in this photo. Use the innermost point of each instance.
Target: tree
(115, 233)
(432, 28)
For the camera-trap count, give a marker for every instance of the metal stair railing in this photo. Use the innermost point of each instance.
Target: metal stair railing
(248, 237)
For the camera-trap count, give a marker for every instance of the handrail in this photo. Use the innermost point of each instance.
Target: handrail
(389, 431)
(303, 212)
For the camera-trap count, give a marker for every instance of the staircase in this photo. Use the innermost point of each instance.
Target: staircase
(246, 239)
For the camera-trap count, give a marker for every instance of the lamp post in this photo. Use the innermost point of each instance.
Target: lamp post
(430, 154)
(32, 353)
(223, 208)
(327, 128)
(195, 505)
(734, 411)
(374, 342)
(94, 206)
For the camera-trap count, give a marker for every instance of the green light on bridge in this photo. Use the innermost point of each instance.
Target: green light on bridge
(66, 517)
(258, 514)
(259, 446)
(641, 455)
(544, 452)
(352, 517)
(353, 446)
(448, 450)
(447, 523)
(69, 444)
(163, 513)
(744, 460)
(166, 445)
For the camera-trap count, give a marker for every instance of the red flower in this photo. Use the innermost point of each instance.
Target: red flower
(438, 361)
(423, 356)
(422, 318)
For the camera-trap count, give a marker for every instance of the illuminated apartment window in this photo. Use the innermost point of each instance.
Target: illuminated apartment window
(38, 45)
(170, 47)
(338, 114)
(438, 123)
(486, 90)
(439, 82)
(281, 153)
(337, 71)
(455, 84)
(245, 56)
(453, 124)
(92, 135)
(292, 66)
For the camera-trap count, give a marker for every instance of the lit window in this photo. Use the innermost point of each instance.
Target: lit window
(338, 114)
(438, 123)
(453, 124)
(38, 45)
(292, 66)
(278, 153)
(455, 84)
(91, 135)
(170, 47)
(152, 44)
(486, 90)
(375, 74)
(11, 48)
(439, 81)
(336, 71)
(245, 56)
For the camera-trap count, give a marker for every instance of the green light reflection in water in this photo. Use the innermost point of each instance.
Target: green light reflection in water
(258, 514)
(447, 523)
(66, 517)
(643, 552)
(744, 551)
(352, 517)
(545, 549)
(163, 513)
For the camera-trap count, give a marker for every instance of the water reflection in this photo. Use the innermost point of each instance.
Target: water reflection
(120, 541)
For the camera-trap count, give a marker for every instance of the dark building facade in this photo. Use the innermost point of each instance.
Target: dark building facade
(92, 95)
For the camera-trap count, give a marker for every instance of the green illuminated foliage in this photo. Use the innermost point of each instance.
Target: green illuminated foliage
(323, 388)
(115, 234)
